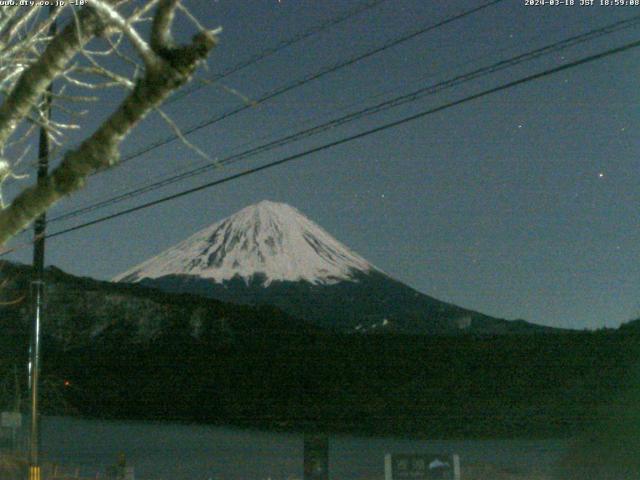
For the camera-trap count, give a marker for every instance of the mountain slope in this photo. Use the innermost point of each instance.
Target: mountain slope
(83, 311)
(269, 253)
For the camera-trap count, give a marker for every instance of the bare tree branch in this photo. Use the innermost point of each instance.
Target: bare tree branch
(161, 27)
(169, 69)
(112, 16)
(36, 78)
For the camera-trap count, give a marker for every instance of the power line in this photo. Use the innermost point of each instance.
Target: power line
(281, 46)
(309, 78)
(353, 116)
(273, 50)
(298, 83)
(289, 87)
(357, 136)
(394, 102)
(295, 84)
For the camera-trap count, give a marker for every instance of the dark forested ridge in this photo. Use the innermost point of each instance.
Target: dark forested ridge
(372, 303)
(134, 353)
(514, 386)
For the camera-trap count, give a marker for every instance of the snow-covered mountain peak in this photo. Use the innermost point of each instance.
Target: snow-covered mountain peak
(273, 240)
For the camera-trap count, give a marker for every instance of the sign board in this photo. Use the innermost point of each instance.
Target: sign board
(116, 472)
(11, 420)
(128, 473)
(316, 457)
(427, 466)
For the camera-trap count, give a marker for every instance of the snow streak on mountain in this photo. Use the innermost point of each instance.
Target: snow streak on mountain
(272, 240)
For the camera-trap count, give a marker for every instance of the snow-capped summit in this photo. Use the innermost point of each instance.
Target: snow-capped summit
(271, 240)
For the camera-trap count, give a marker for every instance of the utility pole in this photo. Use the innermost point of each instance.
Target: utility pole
(316, 456)
(37, 288)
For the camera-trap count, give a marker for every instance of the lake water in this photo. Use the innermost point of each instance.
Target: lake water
(198, 452)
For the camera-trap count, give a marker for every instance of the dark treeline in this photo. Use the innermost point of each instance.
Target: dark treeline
(547, 385)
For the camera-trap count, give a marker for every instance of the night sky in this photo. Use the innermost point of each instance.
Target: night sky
(521, 204)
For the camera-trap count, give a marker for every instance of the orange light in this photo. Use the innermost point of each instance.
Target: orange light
(67, 383)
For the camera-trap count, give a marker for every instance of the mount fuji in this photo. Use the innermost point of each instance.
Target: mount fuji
(270, 253)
